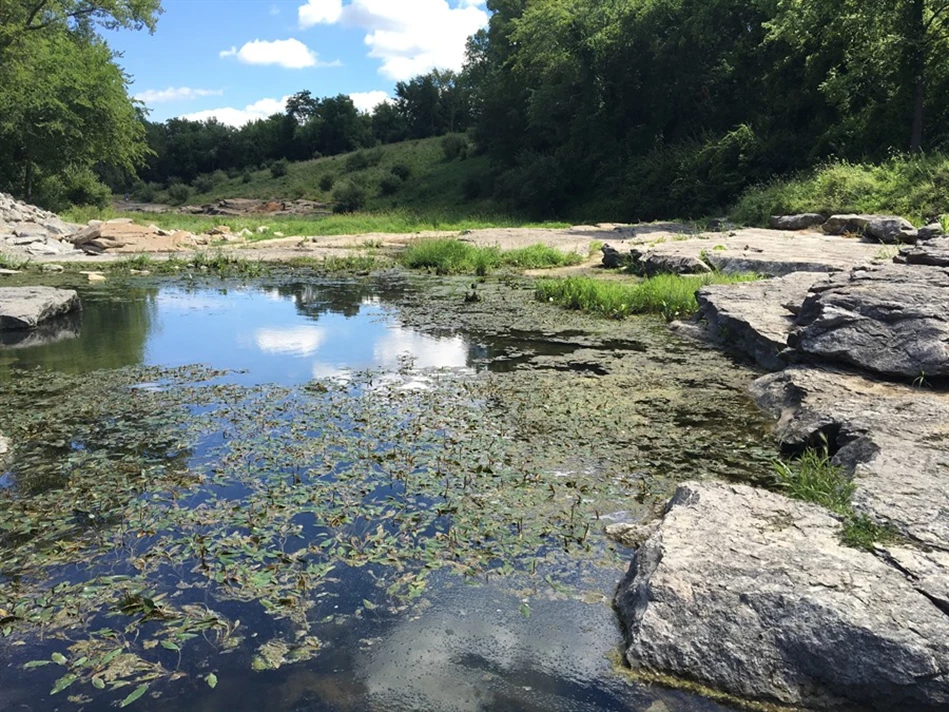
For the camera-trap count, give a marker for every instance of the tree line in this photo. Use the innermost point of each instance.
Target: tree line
(632, 108)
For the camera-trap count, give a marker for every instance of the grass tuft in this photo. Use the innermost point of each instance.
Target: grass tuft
(815, 478)
(673, 296)
(450, 256)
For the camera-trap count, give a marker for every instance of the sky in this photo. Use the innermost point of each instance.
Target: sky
(238, 60)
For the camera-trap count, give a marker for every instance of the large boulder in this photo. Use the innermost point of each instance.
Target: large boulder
(26, 307)
(751, 593)
(889, 319)
(928, 232)
(756, 318)
(802, 221)
(652, 263)
(847, 223)
(891, 230)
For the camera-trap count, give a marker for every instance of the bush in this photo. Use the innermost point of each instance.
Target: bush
(454, 146)
(82, 187)
(246, 177)
(401, 170)
(219, 177)
(178, 194)
(279, 168)
(477, 186)
(348, 198)
(357, 161)
(144, 193)
(203, 184)
(389, 185)
(326, 183)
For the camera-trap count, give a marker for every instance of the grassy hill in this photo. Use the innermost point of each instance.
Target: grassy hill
(414, 176)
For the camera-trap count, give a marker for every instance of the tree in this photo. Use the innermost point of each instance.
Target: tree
(19, 18)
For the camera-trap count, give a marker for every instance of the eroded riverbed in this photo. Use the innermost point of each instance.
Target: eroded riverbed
(303, 493)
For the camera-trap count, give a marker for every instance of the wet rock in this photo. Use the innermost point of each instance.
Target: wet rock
(889, 319)
(891, 230)
(26, 307)
(751, 593)
(802, 221)
(756, 318)
(847, 223)
(935, 251)
(928, 232)
(892, 437)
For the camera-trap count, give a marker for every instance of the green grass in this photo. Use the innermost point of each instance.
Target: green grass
(913, 186)
(391, 222)
(448, 256)
(11, 262)
(814, 477)
(673, 296)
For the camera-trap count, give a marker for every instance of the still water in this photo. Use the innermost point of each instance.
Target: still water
(207, 615)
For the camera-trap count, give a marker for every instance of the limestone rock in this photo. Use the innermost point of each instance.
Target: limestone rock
(928, 232)
(891, 230)
(847, 223)
(935, 251)
(87, 234)
(749, 592)
(889, 319)
(752, 317)
(25, 307)
(801, 221)
(653, 263)
(612, 257)
(892, 437)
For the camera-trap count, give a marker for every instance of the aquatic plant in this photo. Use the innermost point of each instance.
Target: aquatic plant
(450, 256)
(673, 296)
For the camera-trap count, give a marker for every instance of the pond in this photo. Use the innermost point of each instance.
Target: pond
(312, 493)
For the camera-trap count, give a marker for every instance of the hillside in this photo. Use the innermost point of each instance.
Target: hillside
(414, 176)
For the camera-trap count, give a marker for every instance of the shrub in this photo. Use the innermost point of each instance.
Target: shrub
(477, 186)
(357, 161)
(326, 183)
(401, 170)
(348, 198)
(203, 184)
(279, 168)
(178, 194)
(454, 146)
(246, 177)
(144, 192)
(219, 177)
(389, 185)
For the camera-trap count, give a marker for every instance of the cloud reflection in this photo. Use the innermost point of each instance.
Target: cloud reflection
(290, 341)
(426, 351)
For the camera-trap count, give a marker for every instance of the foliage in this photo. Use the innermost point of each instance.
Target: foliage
(326, 183)
(448, 256)
(278, 168)
(389, 184)
(178, 193)
(914, 186)
(401, 170)
(673, 296)
(813, 477)
(454, 146)
(348, 198)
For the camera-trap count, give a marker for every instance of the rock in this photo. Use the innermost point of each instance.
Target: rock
(25, 307)
(52, 268)
(220, 230)
(891, 230)
(889, 319)
(58, 228)
(928, 232)
(41, 248)
(631, 535)
(245, 233)
(935, 251)
(751, 593)
(801, 221)
(29, 232)
(653, 263)
(926, 570)
(57, 329)
(262, 229)
(848, 223)
(278, 234)
(752, 317)
(96, 277)
(120, 221)
(612, 257)
(139, 272)
(892, 437)
(6, 272)
(87, 234)
(4, 445)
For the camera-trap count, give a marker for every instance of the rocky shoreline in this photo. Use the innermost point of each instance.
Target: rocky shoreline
(751, 593)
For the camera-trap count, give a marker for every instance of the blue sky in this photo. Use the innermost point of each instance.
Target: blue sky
(239, 59)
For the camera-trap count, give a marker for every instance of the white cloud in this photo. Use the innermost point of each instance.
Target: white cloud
(231, 116)
(369, 100)
(409, 37)
(155, 96)
(290, 54)
(425, 351)
(292, 341)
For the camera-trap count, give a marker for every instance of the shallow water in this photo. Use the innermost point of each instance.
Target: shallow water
(417, 529)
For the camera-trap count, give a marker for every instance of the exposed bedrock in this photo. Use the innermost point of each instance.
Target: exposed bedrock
(751, 593)
(26, 307)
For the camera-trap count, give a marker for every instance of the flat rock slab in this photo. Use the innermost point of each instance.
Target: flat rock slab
(774, 253)
(26, 307)
(935, 251)
(888, 319)
(756, 317)
(748, 592)
(893, 437)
